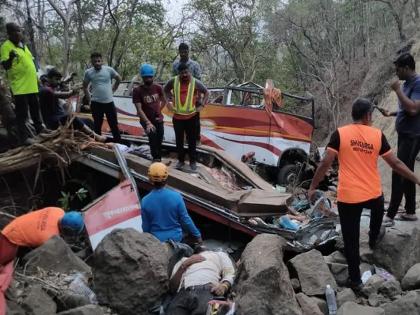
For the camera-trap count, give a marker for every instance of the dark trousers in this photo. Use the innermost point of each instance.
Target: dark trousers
(408, 148)
(109, 110)
(186, 127)
(198, 126)
(191, 301)
(350, 214)
(23, 103)
(155, 140)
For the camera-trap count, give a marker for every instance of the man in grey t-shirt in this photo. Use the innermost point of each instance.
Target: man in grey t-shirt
(100, 77)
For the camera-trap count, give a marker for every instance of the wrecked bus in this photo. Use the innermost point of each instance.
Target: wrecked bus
(247, 120)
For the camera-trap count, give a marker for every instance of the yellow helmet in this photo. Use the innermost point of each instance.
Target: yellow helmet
(158, 172)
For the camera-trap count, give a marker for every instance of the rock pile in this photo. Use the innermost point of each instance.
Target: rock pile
(130, 276)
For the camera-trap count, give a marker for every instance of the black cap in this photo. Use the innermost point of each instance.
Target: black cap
(54, 73)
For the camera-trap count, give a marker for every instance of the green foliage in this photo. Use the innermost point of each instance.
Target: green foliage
(67, 198)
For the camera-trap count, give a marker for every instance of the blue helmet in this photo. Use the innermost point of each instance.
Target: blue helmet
(147, 70)
(72, 221)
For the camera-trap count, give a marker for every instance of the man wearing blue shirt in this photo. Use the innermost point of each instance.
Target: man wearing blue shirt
(407, 125)
(163, 210)
(100, 77)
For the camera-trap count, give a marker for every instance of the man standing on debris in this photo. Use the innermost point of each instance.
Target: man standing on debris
(100, 77)
(163, 210)
(407, 124)
(195, 69)
(198, 279)
(52, 110)
(358, 146)
(33, 230)
(189, 97)
(149, 100)
(18, 62)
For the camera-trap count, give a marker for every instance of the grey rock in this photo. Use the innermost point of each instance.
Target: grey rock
(338, 257)
(372, 285)
(295, 284)
(84, 310)
(130, 271)
(69, 300)
(376, 299)
(398, 251)
(308, 305)
(322, 304)
(390, 288)
(313, 273)
(351, 308)
(411, 280)
(346, 295)
(263, 285)
(14, 309)
(55, 255)
(340, 273)
(38, 302)
(406, 305)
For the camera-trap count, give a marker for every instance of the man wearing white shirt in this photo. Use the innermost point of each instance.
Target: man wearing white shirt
(198, 279)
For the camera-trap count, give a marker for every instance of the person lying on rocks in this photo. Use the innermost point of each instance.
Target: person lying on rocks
(358, 146)
(163, 210)
(198, 279)
(52, 110)
(33, 230)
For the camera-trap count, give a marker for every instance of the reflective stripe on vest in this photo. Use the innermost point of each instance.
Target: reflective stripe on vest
(188, 107)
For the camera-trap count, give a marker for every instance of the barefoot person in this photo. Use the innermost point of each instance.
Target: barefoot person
(358, 146)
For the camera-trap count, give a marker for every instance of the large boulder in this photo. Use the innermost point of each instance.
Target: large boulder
(313, 273)
(411, 280)
(398, 250)
(37, 302)
(407, 305)
(130, 271)
(351, 308)
(263, 282)
(55, 255)
(85, 310)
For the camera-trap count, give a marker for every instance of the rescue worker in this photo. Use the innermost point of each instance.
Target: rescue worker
(198, 279)
(189, 97)
(163, 210)
(99, 77)
(407, 125)
(195, 69)
(18, 62)
(149, 100)
(358, 146)
(53, 112)
(33, 230)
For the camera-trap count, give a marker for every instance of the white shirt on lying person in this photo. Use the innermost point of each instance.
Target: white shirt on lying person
(216, 268)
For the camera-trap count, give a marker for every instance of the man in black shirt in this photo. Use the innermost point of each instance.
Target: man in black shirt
(52, 109)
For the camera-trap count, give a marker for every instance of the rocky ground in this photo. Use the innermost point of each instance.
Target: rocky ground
(128, 274)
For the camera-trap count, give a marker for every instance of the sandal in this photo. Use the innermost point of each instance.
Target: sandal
(406, 217)
(388, 222)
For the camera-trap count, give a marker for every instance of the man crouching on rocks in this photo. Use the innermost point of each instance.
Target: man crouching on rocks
(198, 279)
(33, 230)
(358, 146)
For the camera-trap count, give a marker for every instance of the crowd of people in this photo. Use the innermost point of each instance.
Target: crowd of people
(357, 147)
(184, 95)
